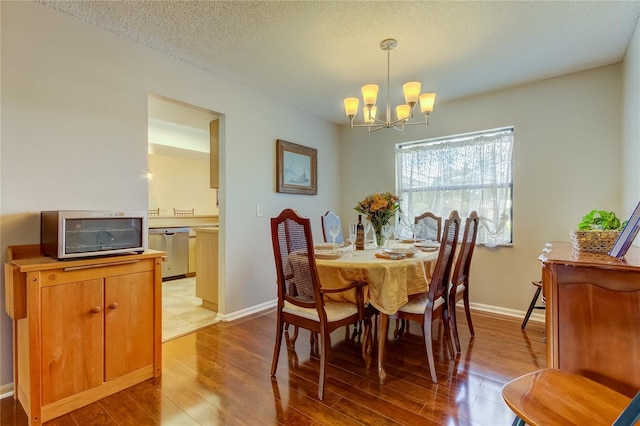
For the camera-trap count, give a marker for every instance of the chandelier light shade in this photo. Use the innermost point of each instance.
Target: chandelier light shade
(426, 102)
(404, 113)
(370, 94)
(411, 92)
(351, 106)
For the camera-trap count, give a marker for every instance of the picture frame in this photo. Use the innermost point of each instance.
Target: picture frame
(296, 168)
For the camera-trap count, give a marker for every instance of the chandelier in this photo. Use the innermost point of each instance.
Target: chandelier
(404, 113)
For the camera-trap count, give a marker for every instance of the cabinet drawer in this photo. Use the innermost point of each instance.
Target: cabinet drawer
(88, 272)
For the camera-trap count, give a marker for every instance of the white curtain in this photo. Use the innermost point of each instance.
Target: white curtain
(464, 173)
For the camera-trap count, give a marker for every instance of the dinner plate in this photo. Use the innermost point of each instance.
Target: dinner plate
(427, 248)
(327, 254)
(407, 252)
(411, 240)
(329, 246)
(427, 244)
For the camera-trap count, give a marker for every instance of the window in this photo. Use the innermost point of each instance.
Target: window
(465, 173)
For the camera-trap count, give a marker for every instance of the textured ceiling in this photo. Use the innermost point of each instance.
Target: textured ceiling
(312, 54)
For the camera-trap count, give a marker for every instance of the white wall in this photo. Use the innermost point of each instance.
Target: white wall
(74, 136)
(631, 126)
(567, 158)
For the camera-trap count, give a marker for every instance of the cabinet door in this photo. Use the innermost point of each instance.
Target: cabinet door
(128, 323)
(72, 338)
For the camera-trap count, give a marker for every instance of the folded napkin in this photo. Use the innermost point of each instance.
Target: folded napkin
(392, 256)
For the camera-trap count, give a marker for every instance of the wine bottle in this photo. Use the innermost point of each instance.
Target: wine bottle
(360, 234)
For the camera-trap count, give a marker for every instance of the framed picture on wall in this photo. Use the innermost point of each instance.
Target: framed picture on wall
(297, 168)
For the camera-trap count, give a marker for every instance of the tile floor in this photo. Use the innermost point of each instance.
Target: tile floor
(182, 311)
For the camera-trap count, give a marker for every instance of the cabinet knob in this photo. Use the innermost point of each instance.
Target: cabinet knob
(96, 310)
(114, 305)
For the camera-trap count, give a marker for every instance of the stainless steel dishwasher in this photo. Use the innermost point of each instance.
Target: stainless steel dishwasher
(174, 241)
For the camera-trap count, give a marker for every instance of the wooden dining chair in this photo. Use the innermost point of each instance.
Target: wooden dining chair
(426, 307)
(301, 301)
(431, 226)
(328, 220)
(183, 212)
(533, 305)
(459, 288)
(430, 229)
(551, 397)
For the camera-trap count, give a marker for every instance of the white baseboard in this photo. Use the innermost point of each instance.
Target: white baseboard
(536, 316)
(6, 390)
(515, 313)
(249, 311)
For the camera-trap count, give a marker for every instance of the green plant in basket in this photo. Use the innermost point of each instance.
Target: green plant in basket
(597, 231)
(600, 220)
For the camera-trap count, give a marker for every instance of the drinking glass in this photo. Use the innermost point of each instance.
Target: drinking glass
(387, 230)
(334, 231)
(353, 234)
(415, 228)
(367, 228)
(398, 230)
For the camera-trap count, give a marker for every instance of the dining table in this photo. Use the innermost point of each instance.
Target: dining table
(390, 280)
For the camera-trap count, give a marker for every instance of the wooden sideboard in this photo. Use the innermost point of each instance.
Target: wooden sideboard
(593, 315)
(83, 329)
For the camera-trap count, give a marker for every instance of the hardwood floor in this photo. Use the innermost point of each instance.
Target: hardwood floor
(220, 376)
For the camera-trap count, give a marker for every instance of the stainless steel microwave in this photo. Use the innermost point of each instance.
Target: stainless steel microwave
(70, 234)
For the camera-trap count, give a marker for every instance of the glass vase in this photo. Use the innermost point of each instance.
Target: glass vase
(378, 238)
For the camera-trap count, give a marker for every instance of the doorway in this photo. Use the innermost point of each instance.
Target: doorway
(180, 158)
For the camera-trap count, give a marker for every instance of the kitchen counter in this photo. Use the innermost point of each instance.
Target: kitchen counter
(180, 221)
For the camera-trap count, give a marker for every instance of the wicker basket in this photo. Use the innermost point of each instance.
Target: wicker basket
(593, 241)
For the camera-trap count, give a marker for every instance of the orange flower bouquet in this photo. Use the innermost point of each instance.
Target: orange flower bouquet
(379, 208)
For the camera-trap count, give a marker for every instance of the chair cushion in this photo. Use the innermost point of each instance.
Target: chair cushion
(418, 304)
(336, 311)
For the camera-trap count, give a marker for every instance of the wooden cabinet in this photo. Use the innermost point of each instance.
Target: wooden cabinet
(207, 277)
(593, 315)
(92, 328)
